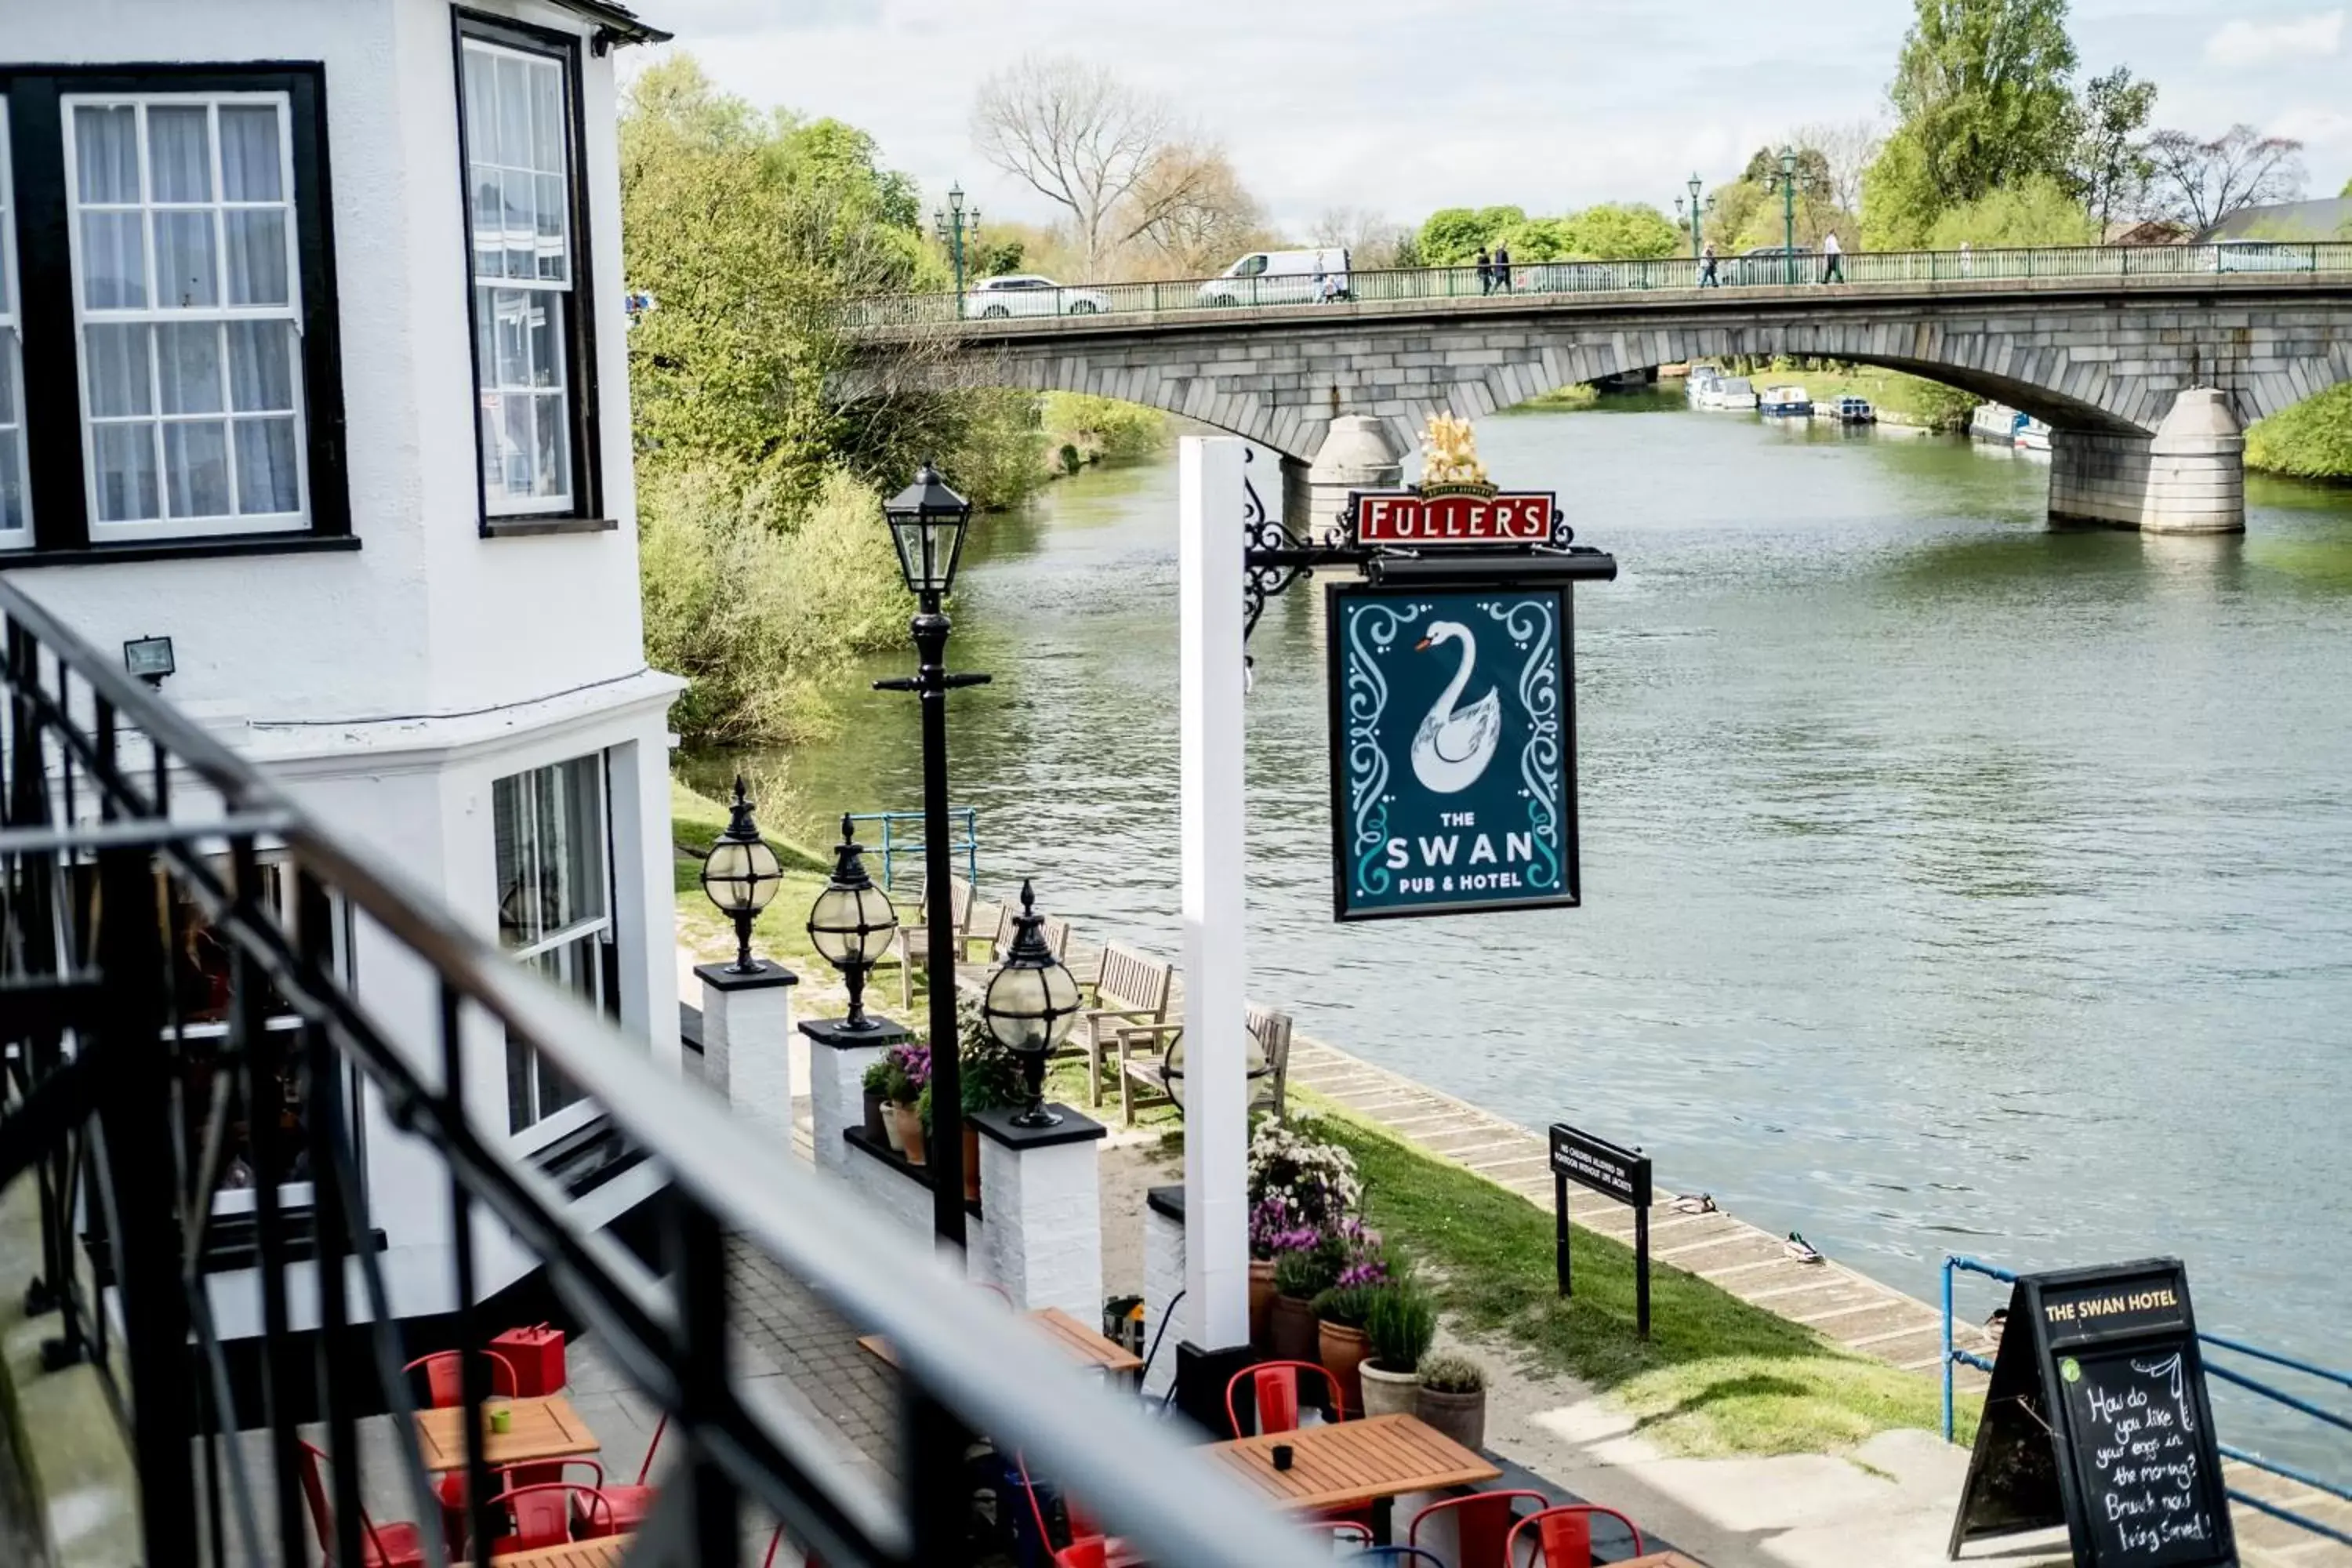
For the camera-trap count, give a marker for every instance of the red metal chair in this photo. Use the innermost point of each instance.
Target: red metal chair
(1274, 1388)
(443, 1382)
(1345, 1533)
(1563, 1535)
(625, 1507)
(542, 1514)
(397, 1545)
(1482, 1524)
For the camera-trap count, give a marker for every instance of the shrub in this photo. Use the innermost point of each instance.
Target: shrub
(1402, 1323)
(877, 1078)
(1318, 1179)
(1452, 1374)
(1349, 1306)
(1304, 1272)
(1103, 429)
(991, 1072)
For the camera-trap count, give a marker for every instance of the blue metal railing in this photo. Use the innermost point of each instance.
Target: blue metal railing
(1956, 1356)
(897, 840)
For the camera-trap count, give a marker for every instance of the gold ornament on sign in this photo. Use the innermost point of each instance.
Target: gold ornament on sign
(1450, 464)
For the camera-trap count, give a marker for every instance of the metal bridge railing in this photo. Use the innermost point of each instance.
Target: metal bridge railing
(895, 840)
(1954, 1356)
(1541, 279)
(173, 1009)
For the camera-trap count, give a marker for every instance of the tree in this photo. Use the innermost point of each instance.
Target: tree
(1077, 136)
(2199, 183)
(1370, 240)
(2112, 162)
(1452, 236)
(1618, 230)
(1191, 211)
(1844, 151)
(1981, 91)
(2035, 211)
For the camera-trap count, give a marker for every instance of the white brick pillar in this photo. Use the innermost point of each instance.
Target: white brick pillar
(1040, 1193)
(838, 1058)
(747, 1041)
(1163, 1281)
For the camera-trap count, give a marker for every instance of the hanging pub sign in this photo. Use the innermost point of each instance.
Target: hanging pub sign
(2097, 1418)
(1453, 699)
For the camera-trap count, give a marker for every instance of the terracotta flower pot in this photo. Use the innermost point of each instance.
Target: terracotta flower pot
(1290, 1329)
(970, 1163)
(1342, 1350)
(1461, 1416)
(875, 1128)
(910, 1132)
(1388, 1393)
(1261, 1298)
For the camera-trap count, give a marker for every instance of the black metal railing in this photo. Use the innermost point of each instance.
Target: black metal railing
(174, 938)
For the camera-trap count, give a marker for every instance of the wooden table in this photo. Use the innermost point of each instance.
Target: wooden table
(1661, 1560)
(543, 1429)
(1070, 1336)
(605, 1552)
(1353, 1462)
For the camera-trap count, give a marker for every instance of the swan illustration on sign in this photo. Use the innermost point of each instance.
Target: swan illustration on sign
(1452, 749)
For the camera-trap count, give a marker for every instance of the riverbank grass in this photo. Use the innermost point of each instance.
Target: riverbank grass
(781, 930)
(1717, 1376)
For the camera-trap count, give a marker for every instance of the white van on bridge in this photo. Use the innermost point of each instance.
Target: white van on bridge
(1280, 277)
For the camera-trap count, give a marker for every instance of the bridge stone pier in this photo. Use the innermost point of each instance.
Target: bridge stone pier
(2146, 383)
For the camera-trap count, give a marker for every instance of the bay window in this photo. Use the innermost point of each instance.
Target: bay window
(555, 907)
(517, 92)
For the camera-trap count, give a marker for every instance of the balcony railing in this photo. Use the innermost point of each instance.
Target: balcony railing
(2271, 261)
(154, 885)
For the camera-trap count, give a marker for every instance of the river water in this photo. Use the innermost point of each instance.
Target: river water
(1950, 883)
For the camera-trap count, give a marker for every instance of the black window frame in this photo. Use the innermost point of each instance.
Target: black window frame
(587, 513)
(55, 477)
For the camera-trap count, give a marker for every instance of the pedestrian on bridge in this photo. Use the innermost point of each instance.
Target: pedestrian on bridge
(1486, 271)
(1502, 267)
(1831, 271)
(1706, 278)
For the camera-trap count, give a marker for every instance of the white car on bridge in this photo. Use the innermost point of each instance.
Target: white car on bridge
(1027, 294)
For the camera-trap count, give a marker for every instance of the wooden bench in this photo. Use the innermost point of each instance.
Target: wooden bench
(991, 936)
(1131, 989)
(913, 942)
(1143, 1063)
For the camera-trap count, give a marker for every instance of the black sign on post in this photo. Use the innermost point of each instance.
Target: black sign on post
(1614, 1173)
(2097, 1419)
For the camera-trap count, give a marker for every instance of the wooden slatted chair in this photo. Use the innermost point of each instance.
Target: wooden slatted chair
(1132, 989)
(912, 943)
(1143, 1051)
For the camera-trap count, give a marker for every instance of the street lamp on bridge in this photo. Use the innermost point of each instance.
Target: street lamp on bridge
(1699, 210)
(954, 224)
(1787, 182)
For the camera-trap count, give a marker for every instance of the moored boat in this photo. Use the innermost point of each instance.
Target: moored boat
(1785, 403)
(1855, 411)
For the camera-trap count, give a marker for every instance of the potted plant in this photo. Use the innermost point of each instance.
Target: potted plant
(1303, 1270)
(1402, 1322)
(991, 1081)
(878, 1095)
(1340, 1343)
(910, 1077)
(1452, 1398)
(1316, 1179)
(1270, 1217)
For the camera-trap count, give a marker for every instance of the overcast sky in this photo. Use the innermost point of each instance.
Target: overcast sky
(1404, 106)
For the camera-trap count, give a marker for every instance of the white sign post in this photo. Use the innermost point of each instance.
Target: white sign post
(1216, 1086)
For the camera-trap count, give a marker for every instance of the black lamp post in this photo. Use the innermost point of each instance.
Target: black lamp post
(1029, 1006)
(1787, 184)
(740, 875)
(851, 925)
(1699, 210)
(927, 521)
(954, 225)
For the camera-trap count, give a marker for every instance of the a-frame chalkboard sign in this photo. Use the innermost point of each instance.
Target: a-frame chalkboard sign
(2097, 1419)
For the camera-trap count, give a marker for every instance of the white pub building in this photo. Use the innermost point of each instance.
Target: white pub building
(314, 390)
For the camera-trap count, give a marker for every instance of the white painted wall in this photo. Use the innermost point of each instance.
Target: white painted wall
(392, 685)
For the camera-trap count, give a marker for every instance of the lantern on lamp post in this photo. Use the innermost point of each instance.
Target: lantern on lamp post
(740, 875)
(851, 925)
(1029, 1006)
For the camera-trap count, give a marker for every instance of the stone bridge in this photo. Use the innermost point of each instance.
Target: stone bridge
(2146, 382)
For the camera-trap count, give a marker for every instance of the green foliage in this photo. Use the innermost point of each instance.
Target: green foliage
(1304, 1273)
(1900, 202)
(2112, 164)
(877, 1079)
(1402, 1322)
(1349, 1306)
(1103, 429)
(2312, 440)
(1452, 1374)
(991, 1072)
(1450, 237)
(1982, 89)
(2036, 210)
(753, 612)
